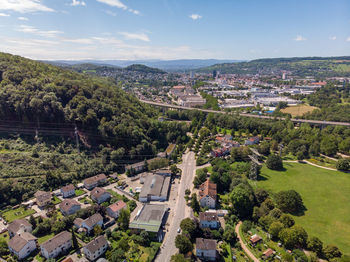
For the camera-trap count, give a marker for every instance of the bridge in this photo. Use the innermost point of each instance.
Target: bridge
(294, 120)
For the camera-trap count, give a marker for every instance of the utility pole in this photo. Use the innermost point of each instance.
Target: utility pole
(280, 146)
(76, 137)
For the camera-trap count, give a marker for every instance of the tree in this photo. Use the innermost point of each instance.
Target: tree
(300, 235)
(242, 201)
(3, 248)
(194, 203)
(123, 219)
(289, 201)
(315, 245)
(264, 148)
(300, 256)
(343, 164)
(261, 195)
(145, 238)
(331, 251)
(274, 162)
(328, 145)
(229, 235)
(287, 220)
(189, 226)
(32, 221)
(178, 258)
(74, 240)
(287, 238)
(183, 244)
(275, 228)
(246, 226)
(97, 230)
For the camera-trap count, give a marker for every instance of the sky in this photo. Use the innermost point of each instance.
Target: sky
(174, 29)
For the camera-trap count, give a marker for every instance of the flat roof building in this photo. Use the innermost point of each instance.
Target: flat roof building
(155, 188)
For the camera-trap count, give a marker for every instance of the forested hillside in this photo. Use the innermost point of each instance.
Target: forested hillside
(114, 128)
(303, 66)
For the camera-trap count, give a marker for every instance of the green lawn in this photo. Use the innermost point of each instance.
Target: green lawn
(5, 236)
(326, 196)
(17, 213)
(45, 238)
(56, 200)
(79, 192)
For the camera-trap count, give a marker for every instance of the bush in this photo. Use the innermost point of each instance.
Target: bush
(331, 251)
(246, 225)
(343, 165)
(274, 162)
(289, 201)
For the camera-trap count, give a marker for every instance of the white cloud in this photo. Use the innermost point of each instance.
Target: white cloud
(3, 14)
(32, 30)
(24, 6)
(135, 36)
(300, 38)
(348, 39)
(84, 41)
(119, 4)
(23, 18)
(195, 16)
(332, 38)
(76, 3)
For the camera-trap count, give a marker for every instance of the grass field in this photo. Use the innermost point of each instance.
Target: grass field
(17, 213)
(298, 110)
(326, 196)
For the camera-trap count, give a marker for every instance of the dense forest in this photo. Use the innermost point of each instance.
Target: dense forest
(114, 127)
(304, 66)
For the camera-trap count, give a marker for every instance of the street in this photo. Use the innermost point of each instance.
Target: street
(181, 210)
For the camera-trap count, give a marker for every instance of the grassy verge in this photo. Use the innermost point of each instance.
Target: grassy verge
(325, 196)
(79, 192)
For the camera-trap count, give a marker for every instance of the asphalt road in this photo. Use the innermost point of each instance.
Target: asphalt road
(181, 210)
(315, 122)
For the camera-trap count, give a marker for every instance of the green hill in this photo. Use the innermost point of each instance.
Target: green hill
(303, 66)
(143, 69)
(114, 127)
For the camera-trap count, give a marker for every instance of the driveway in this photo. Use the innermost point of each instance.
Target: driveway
(181, 210)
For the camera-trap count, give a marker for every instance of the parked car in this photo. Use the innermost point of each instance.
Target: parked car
(179, 230)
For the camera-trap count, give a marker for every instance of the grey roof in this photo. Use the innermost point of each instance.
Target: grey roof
(17, 224)
(97, 192)
(92, 221)
(96, 244)
(19, 241)
(42, 195)
(56, 241)
(208, 216)
(205, 244)
(155, 185)
(67, 204)
(150, 218)
(98, 178)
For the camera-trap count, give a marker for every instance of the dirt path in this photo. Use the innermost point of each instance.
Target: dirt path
(308, 162)
(244, 247)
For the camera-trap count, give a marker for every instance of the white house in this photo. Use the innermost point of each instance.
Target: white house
(206, 249)
(89, 223)
(209, 220)
(95, 248)
(68, 191)
(114, 209)
(69, 207)
(22, 245)
(100, 195)
(60, 243)
(19, 226)
(208, 194)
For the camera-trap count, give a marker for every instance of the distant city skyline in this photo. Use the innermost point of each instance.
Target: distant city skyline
(174, 29)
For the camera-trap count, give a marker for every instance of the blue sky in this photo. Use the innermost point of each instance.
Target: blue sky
(174, 29)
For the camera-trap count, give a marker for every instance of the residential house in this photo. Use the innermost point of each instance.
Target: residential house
(95, 248)
(150, 219)
(22, 245)
(155, 188)
(209, 220)
(208, 194)
(19, 226)
(42, 198)
(114, 209)
(268, 253)
(89, 223)
(57, 245)
(100, 195)
(254, 239)
(69, 207)
(252, 141)
(92, 182)
(206, 249)
(136, 167)
(68, 191)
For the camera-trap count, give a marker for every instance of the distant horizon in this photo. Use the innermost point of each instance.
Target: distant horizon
(174, 30)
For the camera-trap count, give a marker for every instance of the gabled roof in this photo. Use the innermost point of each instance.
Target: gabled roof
(208, 188)
(17, 224)
(94, 179)
(42, 195)
(67, 204)
(97, 192)
(208, 216)
(19, 241)
(117, 206)
(68, 188)
(93, 220)
(56, 241)
(255, 238)
(96, 244)
(205, 244)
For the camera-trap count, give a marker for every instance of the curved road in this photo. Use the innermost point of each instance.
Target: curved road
(244, 247)
(315, 122)
(181, 210)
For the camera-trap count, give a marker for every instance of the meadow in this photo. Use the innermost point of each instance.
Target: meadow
(298, 110)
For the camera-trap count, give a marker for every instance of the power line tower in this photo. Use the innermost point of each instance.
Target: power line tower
(76, 137)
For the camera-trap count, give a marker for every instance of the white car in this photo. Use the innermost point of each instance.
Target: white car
(179, 230)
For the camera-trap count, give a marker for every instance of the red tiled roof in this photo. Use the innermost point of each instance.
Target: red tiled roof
(207, 189)
(117, 206)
